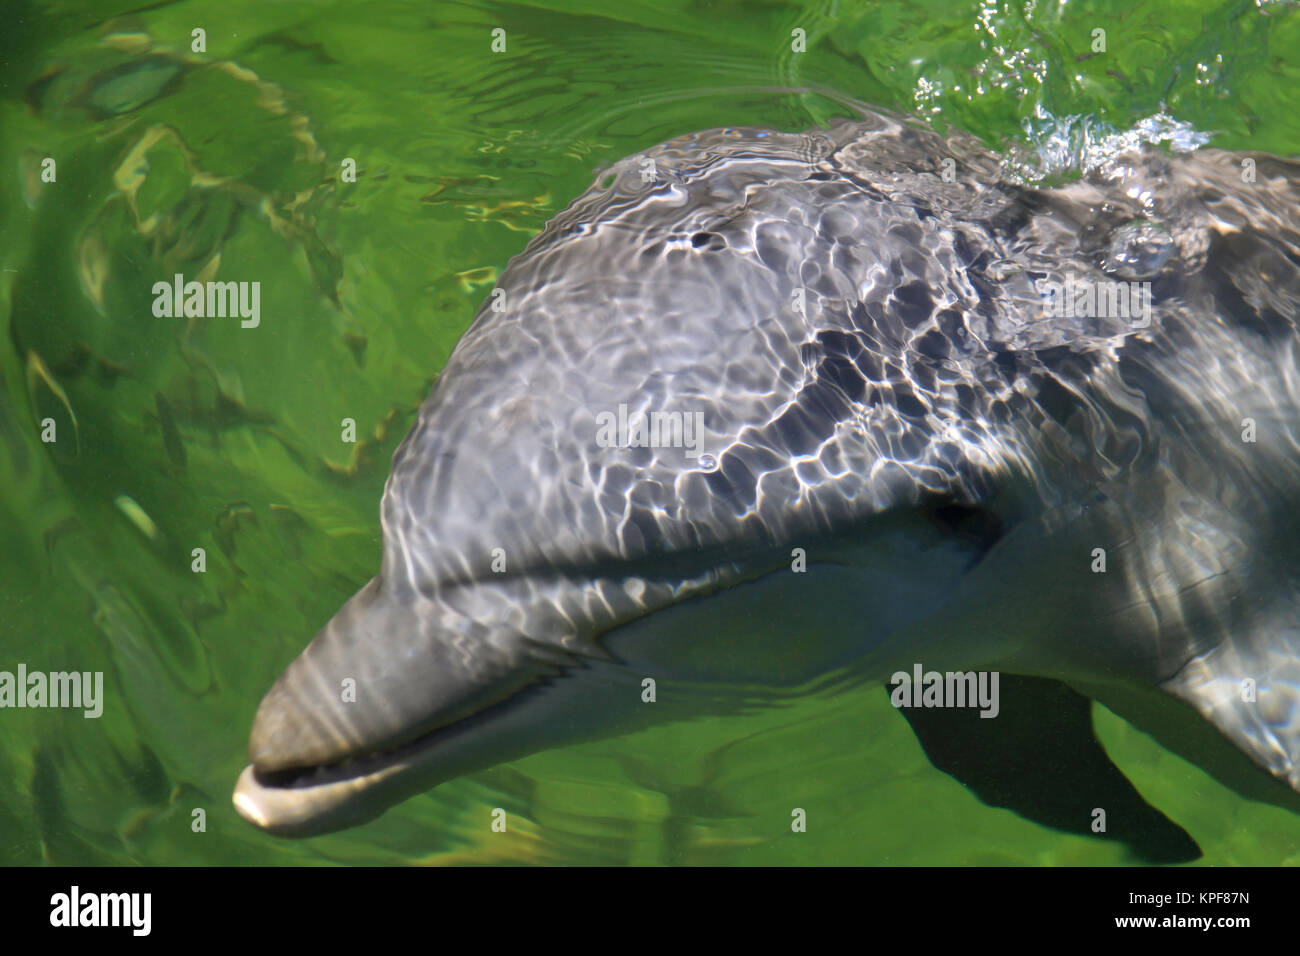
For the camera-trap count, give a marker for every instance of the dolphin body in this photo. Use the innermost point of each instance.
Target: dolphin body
(911, 452)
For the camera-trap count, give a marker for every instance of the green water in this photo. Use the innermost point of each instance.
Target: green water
(227, 163)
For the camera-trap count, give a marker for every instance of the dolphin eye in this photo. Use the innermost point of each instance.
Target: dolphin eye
(710, 239)
(975, 525)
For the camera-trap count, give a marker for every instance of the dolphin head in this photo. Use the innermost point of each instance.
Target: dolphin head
(761, 407)
(668, 399)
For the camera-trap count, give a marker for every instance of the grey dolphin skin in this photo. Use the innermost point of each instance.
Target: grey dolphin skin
(761, 410)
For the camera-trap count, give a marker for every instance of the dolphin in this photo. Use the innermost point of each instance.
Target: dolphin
(762, 412)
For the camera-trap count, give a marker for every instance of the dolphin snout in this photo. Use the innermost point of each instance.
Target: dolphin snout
(336, 701)
(382, 674)
(312, 807)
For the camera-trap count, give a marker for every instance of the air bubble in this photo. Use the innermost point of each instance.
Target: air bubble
(1138, 250)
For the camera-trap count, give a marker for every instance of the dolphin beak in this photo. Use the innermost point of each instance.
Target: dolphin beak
(308, 811)
(374, 698)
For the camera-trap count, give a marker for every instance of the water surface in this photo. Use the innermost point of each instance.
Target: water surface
(176, 435)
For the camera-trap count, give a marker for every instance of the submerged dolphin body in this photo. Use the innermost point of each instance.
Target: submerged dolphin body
(932, 412)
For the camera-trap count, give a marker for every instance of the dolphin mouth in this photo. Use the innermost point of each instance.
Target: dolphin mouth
(356, 787)
(308, 800)
(304, 808)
